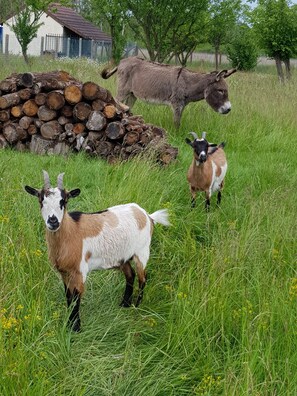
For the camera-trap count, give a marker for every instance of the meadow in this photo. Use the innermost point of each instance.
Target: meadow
(219, 310)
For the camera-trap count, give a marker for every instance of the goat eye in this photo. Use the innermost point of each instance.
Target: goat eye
(62, 203)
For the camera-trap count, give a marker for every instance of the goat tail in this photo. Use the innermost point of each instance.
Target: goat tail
(161, 217)
(106, 73)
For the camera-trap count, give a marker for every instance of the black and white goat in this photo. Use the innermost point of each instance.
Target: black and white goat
(208, 168)
(81, 242)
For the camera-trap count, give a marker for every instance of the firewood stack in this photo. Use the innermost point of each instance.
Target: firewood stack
(54, 113)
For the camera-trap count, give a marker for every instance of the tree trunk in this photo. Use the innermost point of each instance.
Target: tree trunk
(288, 68)
(279, 69)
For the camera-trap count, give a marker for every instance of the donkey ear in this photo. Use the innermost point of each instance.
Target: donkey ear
(73, 193)
(188, 141)
(32, 191)
(229, 72)
(220, 74)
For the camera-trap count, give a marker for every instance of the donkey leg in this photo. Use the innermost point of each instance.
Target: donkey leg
(130, 276)
(177, 109)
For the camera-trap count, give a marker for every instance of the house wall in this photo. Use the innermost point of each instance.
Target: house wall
(49, 26)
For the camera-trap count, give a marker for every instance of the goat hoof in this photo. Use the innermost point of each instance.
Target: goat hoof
(125, 304)
(75, 327)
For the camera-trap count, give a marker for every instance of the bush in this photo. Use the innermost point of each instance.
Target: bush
(242, 50)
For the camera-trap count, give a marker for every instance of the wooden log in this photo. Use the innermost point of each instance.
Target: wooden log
(105, 95)
(40, 98)
(55, 100)
(73, 94)
(9, 100)
(29, 79)
(46, 114)
(25, 122)
(51, 130)
(38, 123)
(168, 154)
(32, 130)
(81, 111)
(146, 137)
(78, 128)
(20, 146)
(22, 133)
(67, 111)
(10, 133)
(3, 141)
(17, 111)
(94, 137)
(4, 115)
(157, 131)
(62, 120)
(115, 130)
(26, 80)
(30, 108)
(110, 111)
(131, 138)
(25, 93)
(40, 145)
(68, 127)
(37, 88)
(134, 149)
(96, 121)
(90, 90)
(104, 148)
(98, 105)
(13, 132)
(8, 85)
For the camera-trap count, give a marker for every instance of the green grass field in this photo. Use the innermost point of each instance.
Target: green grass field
(219, 311)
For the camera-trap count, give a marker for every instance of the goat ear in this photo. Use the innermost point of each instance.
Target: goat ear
(73, 193)
(188, 141)
(212, 144)
(32, 191)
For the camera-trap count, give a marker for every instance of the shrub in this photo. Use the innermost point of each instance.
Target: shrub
(242, 50)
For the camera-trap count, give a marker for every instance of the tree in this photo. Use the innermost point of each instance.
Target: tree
(112, 13)
(25, 26)
(26, 19)
(167, 28)
(276, 25)
(242, 50)
(223, 16)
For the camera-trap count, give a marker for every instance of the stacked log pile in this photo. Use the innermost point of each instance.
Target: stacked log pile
(54, 113)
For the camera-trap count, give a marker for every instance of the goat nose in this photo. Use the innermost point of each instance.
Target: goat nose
(227, 110)
(52, 220)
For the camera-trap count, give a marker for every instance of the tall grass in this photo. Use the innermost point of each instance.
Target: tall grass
(219, 310)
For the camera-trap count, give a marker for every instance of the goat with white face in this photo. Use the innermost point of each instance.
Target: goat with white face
(80, 242)
(208, 168)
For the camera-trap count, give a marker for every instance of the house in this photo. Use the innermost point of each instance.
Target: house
(63, 32)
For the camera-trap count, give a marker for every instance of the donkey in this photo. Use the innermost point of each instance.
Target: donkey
(171, 85)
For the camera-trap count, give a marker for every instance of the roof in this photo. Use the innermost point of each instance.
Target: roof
(69, 18)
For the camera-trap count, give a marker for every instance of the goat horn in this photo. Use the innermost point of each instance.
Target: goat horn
(203, 135)
(194, 134)
(47, 183)
(60, 181)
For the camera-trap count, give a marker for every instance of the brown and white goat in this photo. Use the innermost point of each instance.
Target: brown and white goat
(208, 168)
(81, 242)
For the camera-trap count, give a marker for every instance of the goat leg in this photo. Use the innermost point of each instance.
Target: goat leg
(219, 198)
(130, 276)
(73, 302)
